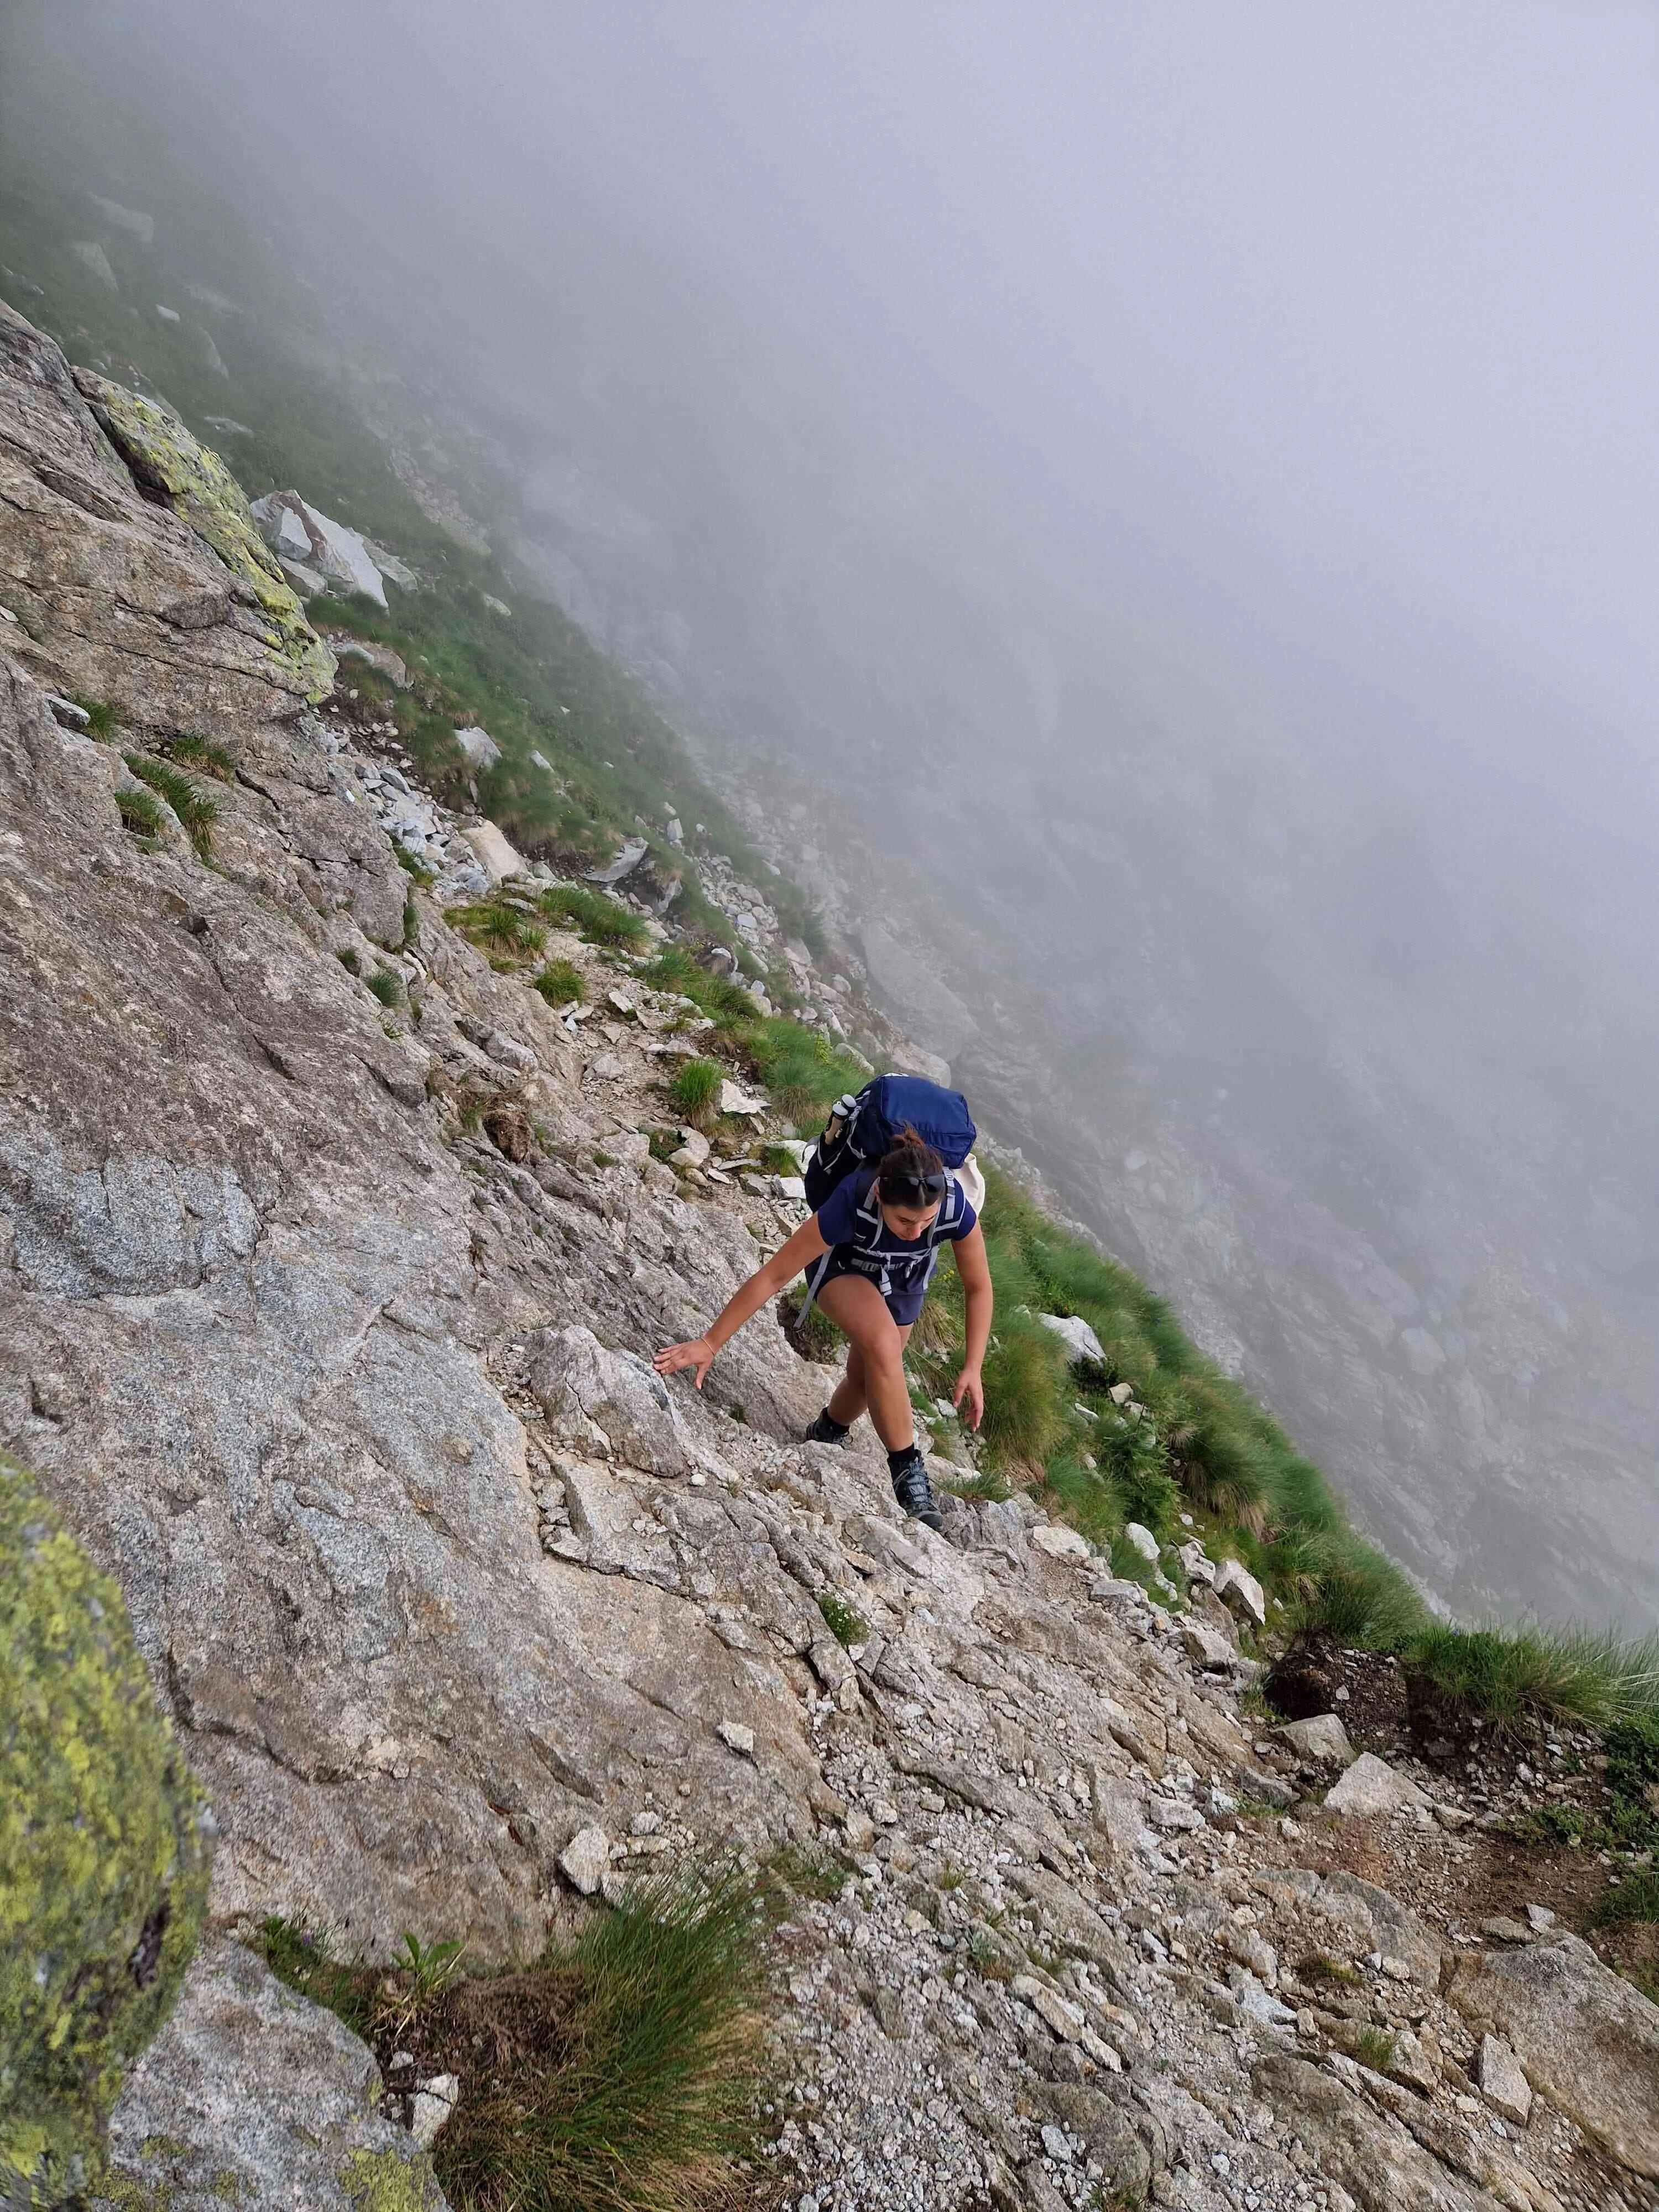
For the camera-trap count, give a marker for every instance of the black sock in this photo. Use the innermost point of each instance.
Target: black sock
(899, 1461)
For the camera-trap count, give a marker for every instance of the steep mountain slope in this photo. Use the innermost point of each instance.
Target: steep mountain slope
(322, 1313)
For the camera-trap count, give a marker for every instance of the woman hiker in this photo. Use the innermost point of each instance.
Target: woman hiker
(869, 1253)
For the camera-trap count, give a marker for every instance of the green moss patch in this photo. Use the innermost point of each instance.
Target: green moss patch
(104, 1850)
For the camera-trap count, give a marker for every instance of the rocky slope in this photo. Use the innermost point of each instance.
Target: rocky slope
(325, 1322)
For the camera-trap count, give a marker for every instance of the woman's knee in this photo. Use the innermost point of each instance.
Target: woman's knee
(881, 1348)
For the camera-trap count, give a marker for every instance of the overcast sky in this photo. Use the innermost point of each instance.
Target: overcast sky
(1329, 330)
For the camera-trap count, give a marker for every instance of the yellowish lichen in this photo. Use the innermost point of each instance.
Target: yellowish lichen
(170, 460)
(385, 2181)
(104, 1852)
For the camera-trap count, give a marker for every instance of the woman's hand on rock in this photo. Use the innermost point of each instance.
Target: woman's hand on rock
(699, 1353)
(968, 1398)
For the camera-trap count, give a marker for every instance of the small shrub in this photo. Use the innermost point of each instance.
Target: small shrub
(140, 814)
(197, 813)
(601, 919)
(846, 1623)
(494, 927)
(101, 718)
(212, 760)
(696, 1087)
(386, 986)
(604, 1159)
(560, 983)
(1633, 1749)
(1634, 1903)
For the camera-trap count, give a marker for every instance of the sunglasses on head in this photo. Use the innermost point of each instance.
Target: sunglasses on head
(914, 1190)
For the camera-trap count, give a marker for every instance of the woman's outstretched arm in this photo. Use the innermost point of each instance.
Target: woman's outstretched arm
(975, 1269)
(784, 1264)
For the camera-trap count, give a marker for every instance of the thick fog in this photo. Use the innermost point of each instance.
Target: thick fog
(1163, 498)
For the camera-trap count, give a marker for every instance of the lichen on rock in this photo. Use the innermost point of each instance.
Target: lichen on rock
(104, 1852)
(167, 460)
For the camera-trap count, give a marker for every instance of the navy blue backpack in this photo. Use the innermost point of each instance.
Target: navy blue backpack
(865, 1124)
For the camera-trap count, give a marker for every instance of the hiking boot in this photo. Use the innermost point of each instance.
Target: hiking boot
(912, 1488)
(824, 1430)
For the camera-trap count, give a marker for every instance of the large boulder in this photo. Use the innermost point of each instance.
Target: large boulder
(1587, 2040)
(104, 1852)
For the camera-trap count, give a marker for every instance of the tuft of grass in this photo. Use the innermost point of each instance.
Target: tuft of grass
(1026, 1417)
(494, 927)
(140, 813)
(696, 1087)
(424, 876)
(844, 1619)
(302, 1957)
(212, 760)
(198, 814)
(1634, 1903)
(1513, 1676)
(560, 983)
(794, 1870)
(636, 2089)
(598, 919)
(387, 985)
(101, 717)
(1374, 2047)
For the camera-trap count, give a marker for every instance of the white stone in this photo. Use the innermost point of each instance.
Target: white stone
(1076, 1334)
(1060, 1542)
(1195, 1562)
(1143, 1539)
(1206, 1647)
(497, 858)
(1120, 1392)
(1539, 1916)
(737, 1737)
(1173, 1815)
(584, 1858)
(735, 1101)
(625, 864)
(1372, 1786)
(692, 1150)
(480, 748)
(432, 2107)
(338, 553)
(1498, 2077)
(1240, 1591)
(168, 315)
(1321, 1737)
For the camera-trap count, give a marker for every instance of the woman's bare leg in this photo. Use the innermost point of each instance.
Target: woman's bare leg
(875, 1361)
